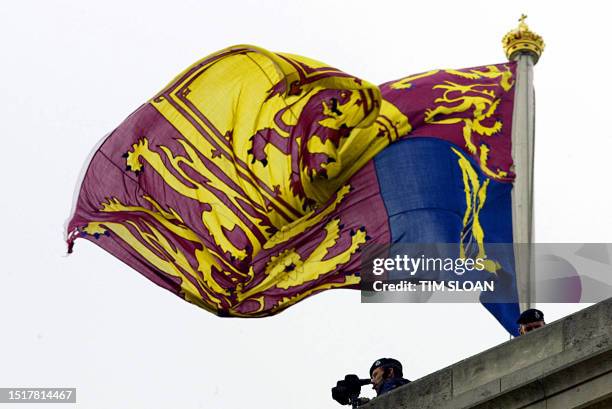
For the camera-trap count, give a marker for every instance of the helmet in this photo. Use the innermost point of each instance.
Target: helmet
(387, 363)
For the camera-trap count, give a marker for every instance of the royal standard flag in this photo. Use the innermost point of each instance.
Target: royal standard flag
(254, 179)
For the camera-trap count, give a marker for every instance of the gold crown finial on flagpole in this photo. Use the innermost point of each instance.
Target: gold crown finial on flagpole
(522, 40)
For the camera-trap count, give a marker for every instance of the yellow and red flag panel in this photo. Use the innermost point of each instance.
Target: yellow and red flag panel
(248, 183)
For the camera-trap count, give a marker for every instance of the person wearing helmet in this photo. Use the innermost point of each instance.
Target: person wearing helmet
(386, 374)
(529, 320)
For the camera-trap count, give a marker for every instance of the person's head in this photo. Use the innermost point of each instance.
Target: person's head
(382, 369)
(529, 320)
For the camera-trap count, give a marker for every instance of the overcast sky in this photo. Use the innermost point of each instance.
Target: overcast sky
(73, 70)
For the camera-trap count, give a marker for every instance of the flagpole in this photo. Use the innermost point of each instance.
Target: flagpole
(524, 47)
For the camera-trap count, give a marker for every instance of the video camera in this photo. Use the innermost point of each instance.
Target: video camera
(346, 392)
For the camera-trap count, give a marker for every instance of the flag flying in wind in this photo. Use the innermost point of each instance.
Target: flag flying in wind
(254, 179)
